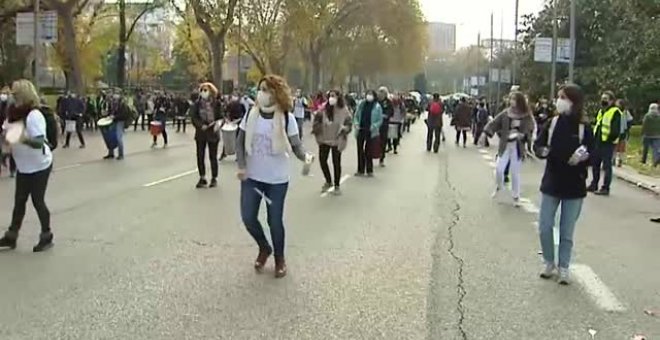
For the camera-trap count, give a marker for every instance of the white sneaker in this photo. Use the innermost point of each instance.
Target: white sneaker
(496, 193)
(516, 202)
(549, 271)
(564, 276)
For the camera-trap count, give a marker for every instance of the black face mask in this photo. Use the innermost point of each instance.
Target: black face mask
(605, 103)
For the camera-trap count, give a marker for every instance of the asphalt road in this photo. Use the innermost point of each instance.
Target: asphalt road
(419, 252)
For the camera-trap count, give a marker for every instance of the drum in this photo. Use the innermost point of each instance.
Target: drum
(104, 122)
(70, 126)
(229, 138)
(155, 128)
(14, 133)
(393, 131)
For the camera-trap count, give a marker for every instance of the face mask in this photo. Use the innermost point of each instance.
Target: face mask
(73, 95)
(605, 103)
(264, 99)
(512, 103)
(298, 94)
(332, 101)
(4, 97)
(204, 94)
(370, 97)
(234, 98)
(564, 106)
(116, 96)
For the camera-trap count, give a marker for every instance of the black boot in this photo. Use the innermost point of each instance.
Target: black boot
(45, 242)
(201, 184)
(9, 240)
(214, 183)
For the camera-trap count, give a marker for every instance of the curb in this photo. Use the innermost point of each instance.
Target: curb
(645, 186)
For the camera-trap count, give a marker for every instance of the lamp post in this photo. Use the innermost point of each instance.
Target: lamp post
(571, 66)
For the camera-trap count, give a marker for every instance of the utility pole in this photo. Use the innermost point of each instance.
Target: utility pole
(240, 27)
(478, 61)
(571, 66)
(514, 72)
(36, 42)
(490, 67)
(499, 70)
(553, 73)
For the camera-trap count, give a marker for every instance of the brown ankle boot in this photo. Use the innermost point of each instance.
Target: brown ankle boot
(262, 257)
(280, 267)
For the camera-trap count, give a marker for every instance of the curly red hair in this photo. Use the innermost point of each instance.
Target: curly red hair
(280, 90)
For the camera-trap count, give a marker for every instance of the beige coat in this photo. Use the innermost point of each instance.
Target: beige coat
(332, 133)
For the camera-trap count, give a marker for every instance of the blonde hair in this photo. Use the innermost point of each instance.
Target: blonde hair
(281, 91)
(25, 94)
(210, 86)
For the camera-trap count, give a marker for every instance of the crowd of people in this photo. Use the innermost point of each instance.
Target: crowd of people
(263, 129)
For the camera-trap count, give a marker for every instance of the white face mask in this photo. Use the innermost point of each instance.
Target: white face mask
(4, 97)
(234, 98)
(370, 97)
(264, 99)
(116, 96)
(204, 94)
(563, 105)
(332, 101)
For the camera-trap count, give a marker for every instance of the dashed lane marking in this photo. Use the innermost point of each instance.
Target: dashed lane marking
(331, 190)
(67, 167)
(528, 206)
(492, 164)
(169, 179)
(596, 288)
(487, 157)
(485, 152)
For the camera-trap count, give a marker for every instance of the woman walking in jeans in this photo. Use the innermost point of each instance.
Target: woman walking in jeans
(563, 141)
(331, 128)
(266, 135)
(34, 162)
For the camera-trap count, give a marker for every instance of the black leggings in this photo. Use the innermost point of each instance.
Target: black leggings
(458, 136)
(31, 185)
(164, 133)
(324, 152)
(213, 157)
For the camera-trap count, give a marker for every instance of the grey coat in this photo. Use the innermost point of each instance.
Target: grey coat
(501, 125)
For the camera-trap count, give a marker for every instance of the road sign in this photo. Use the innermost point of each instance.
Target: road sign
(25, 27)
(543, 50)
(495, 75)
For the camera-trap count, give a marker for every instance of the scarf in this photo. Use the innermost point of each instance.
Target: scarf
(16, 113)
(279, 136)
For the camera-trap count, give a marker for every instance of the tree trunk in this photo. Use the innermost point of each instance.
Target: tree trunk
(217, 57)
(121, 49)
(315, 61)
(76, 79)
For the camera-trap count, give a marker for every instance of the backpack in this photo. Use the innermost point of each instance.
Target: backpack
(435, 109)
(553, 124)
(52, 127)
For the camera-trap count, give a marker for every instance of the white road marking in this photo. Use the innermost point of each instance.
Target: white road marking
(168, 179)
(528, 206)
(487, 157)
(66, 167)
(341, 181)
(492, 165)
(485, 152)
(597, 290)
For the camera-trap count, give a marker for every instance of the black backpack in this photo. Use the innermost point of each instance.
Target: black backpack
(52, 127)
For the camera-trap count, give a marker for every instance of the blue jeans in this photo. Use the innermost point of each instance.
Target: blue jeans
(603, 156)
(120, 138)
(570, 212)
(251, 195)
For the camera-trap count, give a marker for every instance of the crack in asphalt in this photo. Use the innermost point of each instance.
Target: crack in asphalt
(451, 249)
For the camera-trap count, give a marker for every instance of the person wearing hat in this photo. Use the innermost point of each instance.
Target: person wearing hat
(204, 114)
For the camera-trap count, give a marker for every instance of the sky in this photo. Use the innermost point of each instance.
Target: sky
(473, 16)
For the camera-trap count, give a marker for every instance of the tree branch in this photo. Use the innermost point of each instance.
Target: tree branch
(148, 7)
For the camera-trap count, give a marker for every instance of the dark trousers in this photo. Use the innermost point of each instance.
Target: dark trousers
(12, 163)
(365, 162)
(393, 143)
(213, 157)
(140, 117)
(324, 152)
(252, 192)
(31, 185)
(458, 136)
(78, 132)
(433, 134)
(478, 130)
(163, 133)
(300, 122)
(647, 145)
(179, 123)
(602, 158)
(383, 141)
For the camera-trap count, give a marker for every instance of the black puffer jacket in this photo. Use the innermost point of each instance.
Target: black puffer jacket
(561, 179)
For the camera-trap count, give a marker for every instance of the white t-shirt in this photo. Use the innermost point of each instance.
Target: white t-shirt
(30, 160)
(263, 165)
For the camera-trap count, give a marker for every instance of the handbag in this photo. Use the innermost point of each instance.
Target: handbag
(375, 148)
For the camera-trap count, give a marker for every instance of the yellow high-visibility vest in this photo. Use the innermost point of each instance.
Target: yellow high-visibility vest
(604, 121)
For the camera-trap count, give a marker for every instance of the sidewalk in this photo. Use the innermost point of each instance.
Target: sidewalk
(630, 175)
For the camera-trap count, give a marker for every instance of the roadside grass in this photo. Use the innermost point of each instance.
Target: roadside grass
(634, 154)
